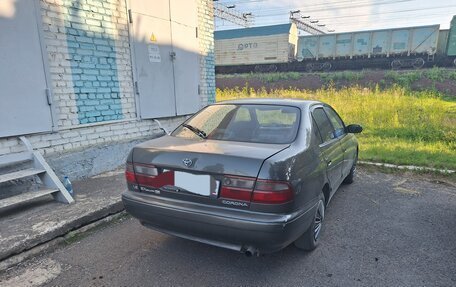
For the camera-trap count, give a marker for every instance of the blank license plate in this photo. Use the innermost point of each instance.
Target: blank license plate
(199, 184)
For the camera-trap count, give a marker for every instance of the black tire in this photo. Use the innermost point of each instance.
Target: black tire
(272, 68)
(396, 64)
(326, 66)
(309, 240)
(351, 176)
(309, 67)
(418, 63)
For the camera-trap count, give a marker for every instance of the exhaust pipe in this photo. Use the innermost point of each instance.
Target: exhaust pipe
(250, 251)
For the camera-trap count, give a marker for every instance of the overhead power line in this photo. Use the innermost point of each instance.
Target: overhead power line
(227, 12)
(271, 13)
(389, 12)
(304, 24)
(326, 7)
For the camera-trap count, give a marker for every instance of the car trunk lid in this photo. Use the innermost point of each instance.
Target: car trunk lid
(206, 156)
(194, 170)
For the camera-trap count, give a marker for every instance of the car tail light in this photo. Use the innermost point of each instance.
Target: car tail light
(261, 191)
(237, 188)
(146, 169)
(272, 192)
(148, 175)
(129, 173)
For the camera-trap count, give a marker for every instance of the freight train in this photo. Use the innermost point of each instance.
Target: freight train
(279, 48)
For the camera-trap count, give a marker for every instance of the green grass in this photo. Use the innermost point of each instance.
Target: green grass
(78, 235)
(400, 126)
(401, 78)
(349, 76)
(265, 77)
(404, 79)
(435, 74)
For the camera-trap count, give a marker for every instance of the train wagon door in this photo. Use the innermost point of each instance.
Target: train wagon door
(451, 48)
(24, 103)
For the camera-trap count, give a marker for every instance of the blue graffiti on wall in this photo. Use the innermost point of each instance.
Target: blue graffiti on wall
(92, 55)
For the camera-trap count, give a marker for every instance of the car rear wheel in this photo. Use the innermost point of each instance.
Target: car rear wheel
(309, 240)
(351, 176)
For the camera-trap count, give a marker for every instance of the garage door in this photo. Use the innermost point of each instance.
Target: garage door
(166, 62)
(24, 107)
(186, 65)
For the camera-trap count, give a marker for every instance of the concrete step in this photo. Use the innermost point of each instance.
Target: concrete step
(26, 197)
(20, 174)
(15, 158)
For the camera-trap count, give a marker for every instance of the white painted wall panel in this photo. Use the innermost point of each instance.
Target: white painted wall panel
(157, 9)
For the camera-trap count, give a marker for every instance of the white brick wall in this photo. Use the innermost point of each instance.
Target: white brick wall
(77, 138)
(206, 49)
(59, 17)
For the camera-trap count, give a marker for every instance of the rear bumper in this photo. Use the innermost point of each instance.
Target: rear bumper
(225, 227)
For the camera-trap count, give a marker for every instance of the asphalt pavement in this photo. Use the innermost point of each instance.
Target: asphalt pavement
(383, 230)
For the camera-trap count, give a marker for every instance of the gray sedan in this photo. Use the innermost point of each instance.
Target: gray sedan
(250, 175)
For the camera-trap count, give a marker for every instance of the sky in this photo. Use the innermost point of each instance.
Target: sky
(347, 15)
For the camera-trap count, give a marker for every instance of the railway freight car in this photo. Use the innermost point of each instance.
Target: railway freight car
(258, 48)
(402, 47)
(277, 47)
(451, 42)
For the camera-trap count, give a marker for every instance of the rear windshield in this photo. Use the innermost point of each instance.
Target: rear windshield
(273, 124)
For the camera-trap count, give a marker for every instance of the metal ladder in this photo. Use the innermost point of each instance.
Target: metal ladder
(39, 167)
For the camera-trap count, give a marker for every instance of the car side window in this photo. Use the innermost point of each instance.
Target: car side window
(242, 115)
(316, 132)
(323, 124)
(336, 121)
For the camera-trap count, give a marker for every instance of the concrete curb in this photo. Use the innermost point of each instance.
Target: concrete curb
(57, 241)
(407, 167)
(69, 226)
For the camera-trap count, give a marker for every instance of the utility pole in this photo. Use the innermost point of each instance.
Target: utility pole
(227, 13)
(303, 23)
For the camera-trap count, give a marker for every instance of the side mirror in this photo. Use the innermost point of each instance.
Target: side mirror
(354, 129)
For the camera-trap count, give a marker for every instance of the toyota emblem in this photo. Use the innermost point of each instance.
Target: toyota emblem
(187, 162)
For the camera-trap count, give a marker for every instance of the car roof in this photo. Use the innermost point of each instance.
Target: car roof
(273, 101)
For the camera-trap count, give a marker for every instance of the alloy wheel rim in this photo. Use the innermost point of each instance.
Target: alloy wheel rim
(318, 221)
